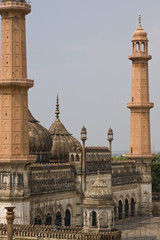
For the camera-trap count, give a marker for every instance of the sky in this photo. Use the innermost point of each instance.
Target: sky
(79, 50)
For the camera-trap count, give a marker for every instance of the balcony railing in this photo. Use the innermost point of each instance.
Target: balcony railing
(22, 3)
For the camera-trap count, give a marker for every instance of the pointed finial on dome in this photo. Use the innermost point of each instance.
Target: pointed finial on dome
(139, 19)
(57, 112)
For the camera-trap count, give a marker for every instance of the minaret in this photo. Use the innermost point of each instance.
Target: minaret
(14, 136)
(140, 106)
(14, 85)
(140, 145)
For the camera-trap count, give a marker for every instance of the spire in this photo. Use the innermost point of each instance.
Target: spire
(140, 20)
(57, 112)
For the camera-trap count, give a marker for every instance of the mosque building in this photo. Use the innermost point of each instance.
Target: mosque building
(48, 175)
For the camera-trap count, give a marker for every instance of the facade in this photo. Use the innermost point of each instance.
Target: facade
(48, 176)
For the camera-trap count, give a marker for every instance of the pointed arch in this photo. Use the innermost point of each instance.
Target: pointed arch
(126, 208)
(120, 209)
(67, 218)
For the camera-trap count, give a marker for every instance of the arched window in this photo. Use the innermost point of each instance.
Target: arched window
(137, 46)
(38, 220)
(120, 210)
(58, 222)
(115, 213)
(94, 219)
(67, 218)
(77, 158)
(142, 47)
(72, 157)
(126, 208)
(48, 219)
(132, 207)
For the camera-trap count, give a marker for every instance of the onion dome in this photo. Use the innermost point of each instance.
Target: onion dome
(140, 33)
(98, 191)
(62, 141)
(40, 141)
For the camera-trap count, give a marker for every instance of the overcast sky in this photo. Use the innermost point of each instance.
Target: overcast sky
(79, 49)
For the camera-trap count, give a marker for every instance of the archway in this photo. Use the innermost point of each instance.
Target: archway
(126, 208)
(94, 219)
(132, 207)
(38, 220)
(120, 210)
(67, 218)
(115, 213)
(155, 211)
(48, 219)
(58, 221)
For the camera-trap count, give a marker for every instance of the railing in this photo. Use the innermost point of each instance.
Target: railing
(15, 3)
(48, 232)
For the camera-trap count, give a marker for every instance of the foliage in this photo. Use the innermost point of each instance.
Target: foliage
(155, 169)
(118, 158)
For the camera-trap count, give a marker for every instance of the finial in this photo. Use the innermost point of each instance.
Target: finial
(98, 173)
(140, 19)
(57, 112)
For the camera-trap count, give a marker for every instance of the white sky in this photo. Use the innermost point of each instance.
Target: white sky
(79, 49)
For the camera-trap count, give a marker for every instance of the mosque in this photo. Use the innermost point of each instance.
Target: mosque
(48, 175)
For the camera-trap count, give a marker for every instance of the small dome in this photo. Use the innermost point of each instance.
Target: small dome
(40, 140)
(98, 191)
(62, 141)
(140, 33)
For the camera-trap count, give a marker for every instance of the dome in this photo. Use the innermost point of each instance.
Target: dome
(40, 141)
(62, 141)
(98, 191)
(140, 34)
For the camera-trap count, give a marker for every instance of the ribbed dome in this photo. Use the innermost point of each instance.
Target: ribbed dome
(62, 141)
(40, 140)
(140, 33)
(98, 191)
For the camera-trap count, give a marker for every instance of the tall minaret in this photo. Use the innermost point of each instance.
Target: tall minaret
(140, 145)
(14, 136)
(14, 85)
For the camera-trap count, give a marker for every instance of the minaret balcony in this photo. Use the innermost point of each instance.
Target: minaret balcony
(15, 5)
(140, 56)
(140, 105)
(14, 81)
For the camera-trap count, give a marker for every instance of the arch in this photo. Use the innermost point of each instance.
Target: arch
(155, 211)
(137, 46)
(126, 208)
(48, 220)
(67, 218)
(142, 47)
(115, 212)
(120, 208)
(77, 158)
(94, 219)
(38, 220)
(58, 221)
(132, 207)
(72, 157)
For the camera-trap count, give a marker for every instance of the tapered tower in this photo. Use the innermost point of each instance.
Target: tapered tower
(140, 106)
(14, 85)
(14, 136)
(140, 144)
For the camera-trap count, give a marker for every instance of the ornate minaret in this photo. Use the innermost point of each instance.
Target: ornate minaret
(14, 140)
(140, 145)
(14, 137)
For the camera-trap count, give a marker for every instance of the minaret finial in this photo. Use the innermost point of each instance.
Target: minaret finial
(57, 112)
(140, 19)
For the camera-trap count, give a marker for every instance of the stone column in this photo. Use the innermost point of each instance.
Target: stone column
(10, 218)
